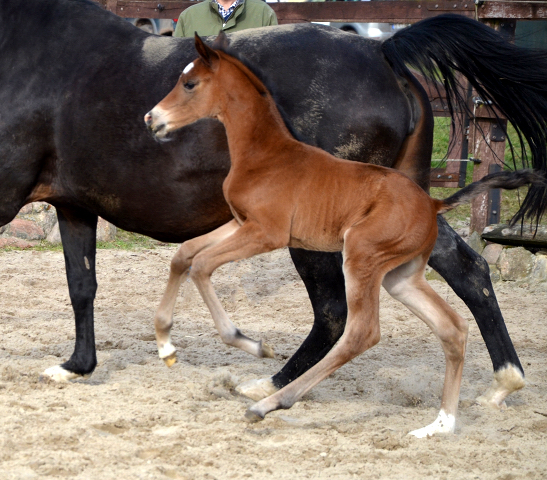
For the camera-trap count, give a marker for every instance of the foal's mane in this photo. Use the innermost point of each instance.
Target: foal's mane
(262, 83)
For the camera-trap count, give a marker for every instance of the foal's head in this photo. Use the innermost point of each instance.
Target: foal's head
(196, 94)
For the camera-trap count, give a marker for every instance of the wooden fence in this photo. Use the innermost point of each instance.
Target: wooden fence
(467, 139)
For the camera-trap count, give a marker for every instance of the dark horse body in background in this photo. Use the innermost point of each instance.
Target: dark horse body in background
(75, 82)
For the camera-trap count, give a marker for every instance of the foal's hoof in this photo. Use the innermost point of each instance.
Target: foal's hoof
(443, 424)
(253, 417)
(168, 353)
(266, 351)
(171, 359)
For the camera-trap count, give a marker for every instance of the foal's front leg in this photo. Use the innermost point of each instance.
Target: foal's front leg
(249, 240)
(163, 320)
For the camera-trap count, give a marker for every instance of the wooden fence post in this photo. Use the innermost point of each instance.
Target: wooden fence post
(487, 140)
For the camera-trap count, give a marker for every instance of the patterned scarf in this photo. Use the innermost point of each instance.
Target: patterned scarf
(226, 14)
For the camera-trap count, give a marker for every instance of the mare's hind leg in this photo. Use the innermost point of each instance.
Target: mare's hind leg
(181, 262)
(78, 233)
(408, 285)
(468, 275)
(322, 275)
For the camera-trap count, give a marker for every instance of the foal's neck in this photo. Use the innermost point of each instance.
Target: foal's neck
(254, 126)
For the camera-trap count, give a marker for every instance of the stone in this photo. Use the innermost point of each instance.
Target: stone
(495, 276)
(16, 242)
(492, 252)
(24, 229)
(26, 209)
(431, 274)
(476, 242)
(106, 232)
(515, 263)
(539, 272)
(41, 213)
(38, 221)
(54, 236)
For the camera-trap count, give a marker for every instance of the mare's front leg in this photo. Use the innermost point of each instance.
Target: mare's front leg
(468, 275)
(322, 275)
(181, 262)
(249, 240)
(78, 233)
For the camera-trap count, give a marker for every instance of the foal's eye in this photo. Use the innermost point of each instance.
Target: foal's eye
(189, 85)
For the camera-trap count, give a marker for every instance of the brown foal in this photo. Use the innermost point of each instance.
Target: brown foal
(285, 193)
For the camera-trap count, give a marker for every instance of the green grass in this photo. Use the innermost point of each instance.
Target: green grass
(123, 241)
(510, 200)
(130, 241)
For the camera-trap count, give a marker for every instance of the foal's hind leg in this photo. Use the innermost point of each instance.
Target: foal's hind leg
(408, 285)
(163, 320)
(363, 278)
(322, 275)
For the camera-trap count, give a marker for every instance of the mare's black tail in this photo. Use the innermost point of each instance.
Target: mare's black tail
(512, 79)
(506, 180)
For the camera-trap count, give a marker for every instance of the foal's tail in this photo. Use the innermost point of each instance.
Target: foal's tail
(506, 180)
(507, 77)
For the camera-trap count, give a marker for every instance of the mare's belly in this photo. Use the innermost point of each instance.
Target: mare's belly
(319, 244)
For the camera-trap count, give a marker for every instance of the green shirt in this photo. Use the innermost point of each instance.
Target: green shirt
(205, 19)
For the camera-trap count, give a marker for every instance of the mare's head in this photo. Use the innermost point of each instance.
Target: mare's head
(195, 95)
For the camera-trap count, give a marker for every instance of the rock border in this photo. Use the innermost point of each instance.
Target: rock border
(37, 222)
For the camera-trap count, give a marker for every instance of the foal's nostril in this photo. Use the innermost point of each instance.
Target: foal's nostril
(148, 119)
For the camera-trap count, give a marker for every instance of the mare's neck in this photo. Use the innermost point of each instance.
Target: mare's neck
(255, 129)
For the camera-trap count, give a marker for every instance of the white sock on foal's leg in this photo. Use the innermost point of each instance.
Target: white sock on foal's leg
(445, 423)
(168, 353)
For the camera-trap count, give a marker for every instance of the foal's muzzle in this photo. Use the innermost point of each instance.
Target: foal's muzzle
(156, 127)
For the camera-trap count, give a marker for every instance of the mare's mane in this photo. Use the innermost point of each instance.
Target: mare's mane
(261, 79)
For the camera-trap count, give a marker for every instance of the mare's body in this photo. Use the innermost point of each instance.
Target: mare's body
(75, 81)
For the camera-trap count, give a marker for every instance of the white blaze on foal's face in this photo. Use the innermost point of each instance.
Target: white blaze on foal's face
(188, 68)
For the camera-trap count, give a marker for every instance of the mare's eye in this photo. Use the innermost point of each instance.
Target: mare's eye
(189, 85)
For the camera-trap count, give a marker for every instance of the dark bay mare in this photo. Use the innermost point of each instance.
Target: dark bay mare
(75, 82)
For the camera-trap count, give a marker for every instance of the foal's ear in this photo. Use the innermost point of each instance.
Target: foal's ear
(207, 54)
(221, 41)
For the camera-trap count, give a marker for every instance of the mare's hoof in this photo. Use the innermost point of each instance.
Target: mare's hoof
(507, 380)
(171, 359)
(486, 401)
(257, 389)
(253, 417)
(266, 350)
(59, 374)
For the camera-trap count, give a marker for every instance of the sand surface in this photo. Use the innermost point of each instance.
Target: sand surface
(137, 419)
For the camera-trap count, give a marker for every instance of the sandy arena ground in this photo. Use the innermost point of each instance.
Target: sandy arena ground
(136, 419)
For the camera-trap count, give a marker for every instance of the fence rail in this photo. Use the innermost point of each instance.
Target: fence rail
(396, 11)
